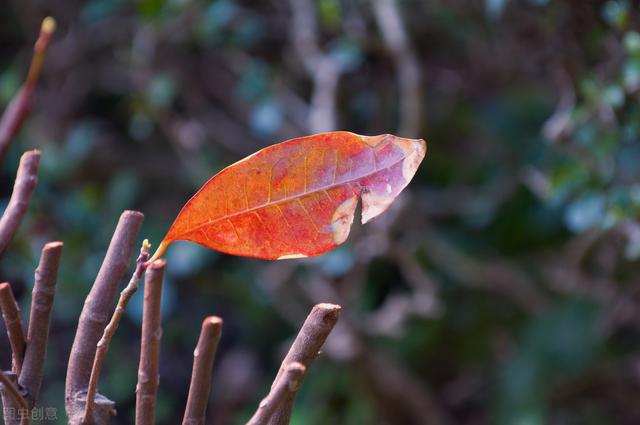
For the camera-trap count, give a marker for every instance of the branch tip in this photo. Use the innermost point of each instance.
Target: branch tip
(53, 245)
(213, 321)
(328, 307)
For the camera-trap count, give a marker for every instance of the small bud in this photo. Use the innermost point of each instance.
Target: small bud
(48, 25)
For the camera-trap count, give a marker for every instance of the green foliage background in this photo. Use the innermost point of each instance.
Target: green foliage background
(502, 289)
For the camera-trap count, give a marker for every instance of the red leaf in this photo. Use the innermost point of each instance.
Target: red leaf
(297, 198)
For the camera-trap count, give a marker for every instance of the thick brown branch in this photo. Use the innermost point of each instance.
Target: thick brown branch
(13, 323)
(12, 400)
(203, 357)
(94, 314)
(18, 108)
(42, 300)
(287, 385)
(148, 378)
(110, 330)
(26, 180)
(304, 350)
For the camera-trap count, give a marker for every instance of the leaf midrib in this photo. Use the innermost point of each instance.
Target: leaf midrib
(297, 196)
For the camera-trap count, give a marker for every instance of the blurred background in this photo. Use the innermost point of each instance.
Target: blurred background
(501, 288)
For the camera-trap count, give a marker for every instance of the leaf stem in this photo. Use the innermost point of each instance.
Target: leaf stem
(162, 248)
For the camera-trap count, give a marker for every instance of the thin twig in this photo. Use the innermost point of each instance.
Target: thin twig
(96, 311)
(18, 108)
(12, 397)
(13, 323)
(409, 78)
(203, 357)
(103, 345)
(38, 333)
(148, 379)
(304, 350)
(289, 383)
(26, 180)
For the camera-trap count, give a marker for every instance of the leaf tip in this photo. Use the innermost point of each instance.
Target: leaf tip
(415, 155)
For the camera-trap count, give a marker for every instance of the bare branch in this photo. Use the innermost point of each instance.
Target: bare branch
(92, 320)
(387, 381)
(499, 276)
(13, 323)
(287, 385)
(409, 78)
(42, 300)
(148, 378)
(399, 396)
(322, 69)
(11, 398)
(103, 345)
(203, 357)
(26, 180)
(305, 349)
(18, 108)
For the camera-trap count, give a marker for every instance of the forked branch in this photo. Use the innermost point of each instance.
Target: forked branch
(12, 400)
(289, 383)
(110, 330)
(304, 350)
(96, 311)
